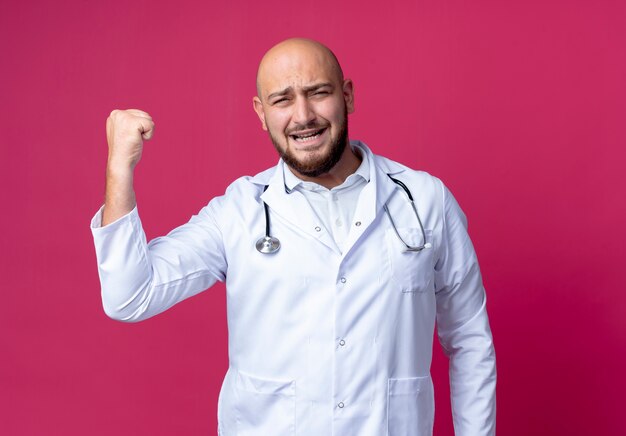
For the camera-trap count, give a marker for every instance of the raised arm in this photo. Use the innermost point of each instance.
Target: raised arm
(141, 279)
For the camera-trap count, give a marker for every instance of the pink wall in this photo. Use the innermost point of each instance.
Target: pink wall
(520, 106)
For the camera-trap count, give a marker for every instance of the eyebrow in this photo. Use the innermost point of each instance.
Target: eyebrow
(304, 88)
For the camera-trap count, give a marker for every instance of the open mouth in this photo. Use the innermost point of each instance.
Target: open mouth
(307, 136)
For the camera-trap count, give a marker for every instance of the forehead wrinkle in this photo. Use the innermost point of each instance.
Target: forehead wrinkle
(294, 75)
(304, 88)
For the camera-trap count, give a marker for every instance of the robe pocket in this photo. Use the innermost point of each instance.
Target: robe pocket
(264, 407)
(410, 407)
(411, 271)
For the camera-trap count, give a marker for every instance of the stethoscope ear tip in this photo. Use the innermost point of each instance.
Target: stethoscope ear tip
(428, 245)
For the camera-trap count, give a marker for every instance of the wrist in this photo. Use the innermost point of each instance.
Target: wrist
(119, 170)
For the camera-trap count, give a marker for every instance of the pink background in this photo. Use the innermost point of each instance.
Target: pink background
(519, 106)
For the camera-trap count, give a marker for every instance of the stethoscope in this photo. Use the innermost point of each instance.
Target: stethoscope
(269, 244)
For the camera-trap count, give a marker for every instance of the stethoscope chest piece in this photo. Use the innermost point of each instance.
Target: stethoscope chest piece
(268, 245)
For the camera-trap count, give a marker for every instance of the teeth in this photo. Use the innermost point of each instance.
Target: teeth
(305, 138)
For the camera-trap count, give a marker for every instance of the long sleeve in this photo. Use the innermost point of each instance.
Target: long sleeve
(140, 280)
(463, 327)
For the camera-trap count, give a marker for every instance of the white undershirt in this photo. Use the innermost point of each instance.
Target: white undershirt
(334, 207)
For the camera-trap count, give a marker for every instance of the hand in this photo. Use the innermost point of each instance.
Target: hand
(126, 131)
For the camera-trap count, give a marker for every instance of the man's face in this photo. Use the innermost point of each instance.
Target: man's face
(303, 104)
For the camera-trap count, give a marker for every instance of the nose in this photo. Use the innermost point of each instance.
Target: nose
(303, 112)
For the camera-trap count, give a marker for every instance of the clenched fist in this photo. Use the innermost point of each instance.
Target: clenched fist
(126, 131)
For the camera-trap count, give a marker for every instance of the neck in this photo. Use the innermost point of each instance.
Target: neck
(348, 164)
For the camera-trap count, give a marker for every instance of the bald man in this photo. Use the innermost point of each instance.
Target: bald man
(337, 263)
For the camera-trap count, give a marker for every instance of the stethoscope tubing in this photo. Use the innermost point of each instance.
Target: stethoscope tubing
(417, 215)
(269, 244)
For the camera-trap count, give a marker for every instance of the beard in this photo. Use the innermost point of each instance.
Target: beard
(317, 166)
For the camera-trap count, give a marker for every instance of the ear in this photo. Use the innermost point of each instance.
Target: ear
(258, 108)
(348, 95)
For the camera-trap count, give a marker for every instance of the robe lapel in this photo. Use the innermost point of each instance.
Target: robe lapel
(372, 198)
(294, 209)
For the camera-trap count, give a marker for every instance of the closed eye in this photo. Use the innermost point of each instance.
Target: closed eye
(280, 100)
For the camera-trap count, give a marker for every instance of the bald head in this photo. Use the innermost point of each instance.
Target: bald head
(299, 59)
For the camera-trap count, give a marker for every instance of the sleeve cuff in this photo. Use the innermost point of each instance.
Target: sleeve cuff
(96, 222)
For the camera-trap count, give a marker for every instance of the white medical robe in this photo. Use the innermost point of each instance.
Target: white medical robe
(323, 341)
